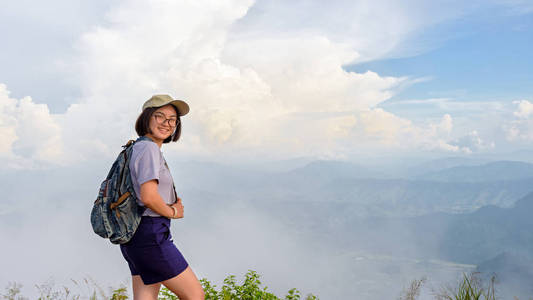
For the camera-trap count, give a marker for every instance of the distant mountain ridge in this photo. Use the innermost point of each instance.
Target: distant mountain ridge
(328, 169)
(352, 207)
(365, 192)
(489, 231)
(493, 171)
(513, 271)
(497, 240)
(442, 164)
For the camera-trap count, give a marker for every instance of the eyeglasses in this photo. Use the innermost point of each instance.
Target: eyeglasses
(162, 119)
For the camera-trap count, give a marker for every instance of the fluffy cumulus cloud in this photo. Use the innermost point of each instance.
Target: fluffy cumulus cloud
(376, 29)
(258, 83)
(471, 142)
(525, 109)
(521, 127)
(31, 136)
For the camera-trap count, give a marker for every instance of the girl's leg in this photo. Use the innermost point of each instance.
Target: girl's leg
(142, 291)
(185, 285)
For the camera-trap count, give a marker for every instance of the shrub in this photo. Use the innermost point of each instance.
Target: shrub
(250, 289)
(470, 288)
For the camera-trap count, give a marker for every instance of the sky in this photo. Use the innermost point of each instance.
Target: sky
(267, 79)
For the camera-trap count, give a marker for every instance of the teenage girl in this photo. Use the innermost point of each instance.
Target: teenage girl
(152, 257)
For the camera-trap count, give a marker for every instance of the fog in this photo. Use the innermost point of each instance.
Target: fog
(301, 158)
(230, 226)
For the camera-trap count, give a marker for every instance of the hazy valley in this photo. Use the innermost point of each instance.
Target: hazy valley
(359, 229)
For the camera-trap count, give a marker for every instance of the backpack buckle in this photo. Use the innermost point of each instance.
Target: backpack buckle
(128, 143)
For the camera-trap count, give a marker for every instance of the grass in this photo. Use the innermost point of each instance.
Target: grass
(413, 291)
(469, 287)
(250, 288)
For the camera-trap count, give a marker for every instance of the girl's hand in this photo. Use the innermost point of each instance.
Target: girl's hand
(179, 206)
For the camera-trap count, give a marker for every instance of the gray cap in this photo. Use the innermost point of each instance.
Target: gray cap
(161, 100)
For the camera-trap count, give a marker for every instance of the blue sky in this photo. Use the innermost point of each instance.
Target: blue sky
(482, 58)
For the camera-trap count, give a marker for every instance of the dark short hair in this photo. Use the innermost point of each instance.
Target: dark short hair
(142, 125)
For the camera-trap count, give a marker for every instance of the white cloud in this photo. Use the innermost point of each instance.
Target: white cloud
(376, 29)
(251, 92)
(525, 109)
(37, 37)
(30, 135)
(520, 128)
(445, 125)
(244, 93)
(471, 142)
(405, 135)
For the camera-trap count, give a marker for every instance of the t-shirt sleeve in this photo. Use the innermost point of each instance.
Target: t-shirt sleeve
(147, 164)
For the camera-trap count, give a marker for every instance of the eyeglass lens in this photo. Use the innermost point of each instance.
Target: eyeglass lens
(160, 118)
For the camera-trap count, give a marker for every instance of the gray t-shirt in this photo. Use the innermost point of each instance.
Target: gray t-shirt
(147, 163)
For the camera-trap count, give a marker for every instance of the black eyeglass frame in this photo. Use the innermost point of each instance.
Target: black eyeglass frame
(165, 120)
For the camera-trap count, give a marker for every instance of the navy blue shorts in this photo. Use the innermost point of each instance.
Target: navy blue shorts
(151, 253)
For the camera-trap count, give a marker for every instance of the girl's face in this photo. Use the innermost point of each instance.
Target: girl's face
(163, 122)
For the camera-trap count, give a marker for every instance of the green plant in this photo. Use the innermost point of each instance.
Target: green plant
(120, 294)
(470, 288)
(13, 291)
(46, 291)
(249, 289)
(166, 294)
(209, 290)
(294, 294)
(413, 291)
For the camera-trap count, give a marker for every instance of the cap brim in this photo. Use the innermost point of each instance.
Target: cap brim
(181, 106)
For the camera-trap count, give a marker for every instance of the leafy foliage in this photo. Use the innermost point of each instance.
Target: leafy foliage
(12, 292)
(250, 289)
(120, 294)
(413, 291)
(470, 288)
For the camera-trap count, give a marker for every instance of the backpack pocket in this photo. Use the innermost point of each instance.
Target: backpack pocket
(97, 213)
(97, 219)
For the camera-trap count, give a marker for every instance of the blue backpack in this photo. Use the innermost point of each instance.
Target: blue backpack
(116, 214)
